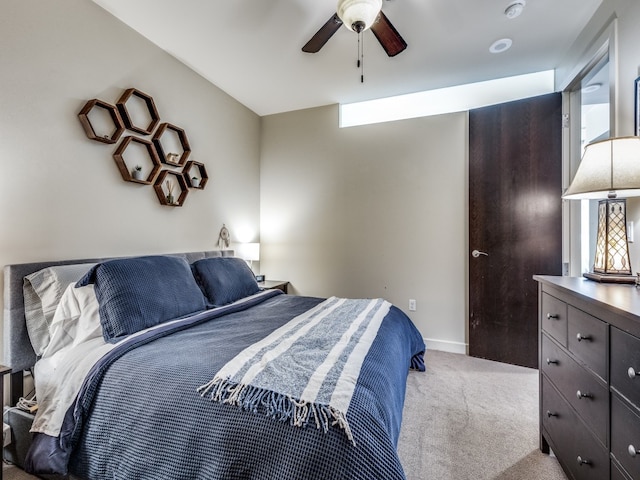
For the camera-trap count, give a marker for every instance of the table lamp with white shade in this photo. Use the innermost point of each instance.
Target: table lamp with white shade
(249, 252)
(610, 172)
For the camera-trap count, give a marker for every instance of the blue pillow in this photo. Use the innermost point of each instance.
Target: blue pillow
(140, 292)
(224, 279)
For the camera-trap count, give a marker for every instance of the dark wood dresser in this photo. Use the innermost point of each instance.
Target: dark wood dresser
(589, 351)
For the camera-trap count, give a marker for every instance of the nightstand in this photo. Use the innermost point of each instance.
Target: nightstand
(274, 285)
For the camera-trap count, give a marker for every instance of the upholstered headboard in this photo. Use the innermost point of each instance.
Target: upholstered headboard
(18, 352)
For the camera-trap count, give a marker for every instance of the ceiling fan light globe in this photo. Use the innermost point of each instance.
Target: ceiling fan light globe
(355, 13)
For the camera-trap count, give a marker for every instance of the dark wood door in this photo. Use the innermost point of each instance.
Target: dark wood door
(515, 218)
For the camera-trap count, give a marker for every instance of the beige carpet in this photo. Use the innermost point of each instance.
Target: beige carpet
(465, 419)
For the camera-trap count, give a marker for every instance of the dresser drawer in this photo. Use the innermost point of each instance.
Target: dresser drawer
(616, 472)
(588, 396)
(625, 436)
(571, 441)
(556, 414)
(625, 364)
(553, 318)
(588, 340)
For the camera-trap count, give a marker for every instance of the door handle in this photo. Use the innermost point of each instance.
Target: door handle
(477, 253)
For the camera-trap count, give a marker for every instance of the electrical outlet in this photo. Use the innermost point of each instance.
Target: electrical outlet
(412, 305)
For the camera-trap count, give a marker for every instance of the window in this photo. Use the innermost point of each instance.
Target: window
(590, 120)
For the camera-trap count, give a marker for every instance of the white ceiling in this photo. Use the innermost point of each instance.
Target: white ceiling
(251, 49)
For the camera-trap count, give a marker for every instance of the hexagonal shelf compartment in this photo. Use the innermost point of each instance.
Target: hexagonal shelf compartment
(150, 159)
(161, 186)
(141, 110)
(175, 138)
(201, 177)
(106, 118)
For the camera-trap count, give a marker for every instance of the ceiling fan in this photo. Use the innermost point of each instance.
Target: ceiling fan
(359, 15)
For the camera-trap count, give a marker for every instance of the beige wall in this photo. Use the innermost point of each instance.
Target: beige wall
(62, 195)
(376, 210)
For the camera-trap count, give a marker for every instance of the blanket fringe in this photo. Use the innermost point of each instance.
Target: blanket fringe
(298, 413)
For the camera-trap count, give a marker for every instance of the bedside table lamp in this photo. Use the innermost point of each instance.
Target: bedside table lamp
(609, 169)
(249, 252)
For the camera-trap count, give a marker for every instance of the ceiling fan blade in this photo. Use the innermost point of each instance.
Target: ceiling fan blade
(388, 36)
(323, 35)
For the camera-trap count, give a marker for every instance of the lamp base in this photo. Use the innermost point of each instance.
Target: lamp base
(610, 277)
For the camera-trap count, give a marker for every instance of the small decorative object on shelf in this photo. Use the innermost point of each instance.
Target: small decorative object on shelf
(137, 172)
(195, 182)
(170, 194)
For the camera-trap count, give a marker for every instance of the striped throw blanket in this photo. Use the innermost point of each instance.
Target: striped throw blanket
(306, 371)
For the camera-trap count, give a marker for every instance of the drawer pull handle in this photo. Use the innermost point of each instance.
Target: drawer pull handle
(582, 461)
(632, 373)
(581, 337)
(551, 414)
(552, 315)
(632, 451)
(581, 395)
(549, 361)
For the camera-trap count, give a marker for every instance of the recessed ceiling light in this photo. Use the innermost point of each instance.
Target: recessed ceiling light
(514, 9)
(591, 88)
(501, 45)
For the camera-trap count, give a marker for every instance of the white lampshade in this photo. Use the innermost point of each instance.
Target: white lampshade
(249, 251)
(353, 11)
(608, 169)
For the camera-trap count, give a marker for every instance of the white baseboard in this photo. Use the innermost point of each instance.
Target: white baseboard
(445, 346)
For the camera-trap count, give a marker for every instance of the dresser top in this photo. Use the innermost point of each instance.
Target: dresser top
(619, 299)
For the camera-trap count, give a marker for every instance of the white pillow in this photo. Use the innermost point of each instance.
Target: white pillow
(42, 292)
(75, 321)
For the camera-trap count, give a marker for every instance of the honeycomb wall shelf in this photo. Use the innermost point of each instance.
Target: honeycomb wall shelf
(163, 193)
(202, 171)
(154, 118)
(167, 157)
(125, 168)
(118, 126)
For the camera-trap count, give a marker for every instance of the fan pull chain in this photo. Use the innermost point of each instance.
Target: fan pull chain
(360, 63)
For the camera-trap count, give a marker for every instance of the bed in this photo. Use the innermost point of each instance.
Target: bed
(180, 367)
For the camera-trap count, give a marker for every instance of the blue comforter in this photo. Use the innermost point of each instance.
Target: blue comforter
(138, 415)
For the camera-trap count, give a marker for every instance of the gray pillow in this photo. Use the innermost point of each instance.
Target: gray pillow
(42, 292)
